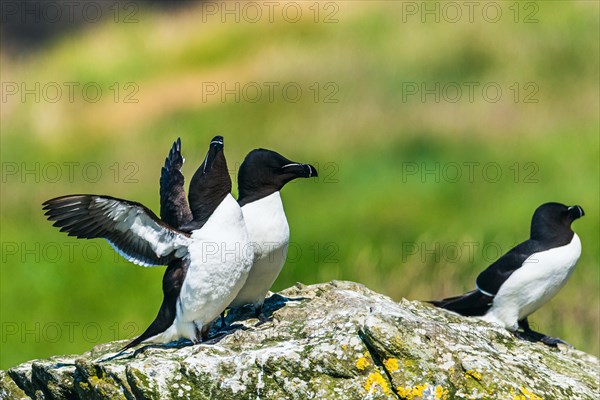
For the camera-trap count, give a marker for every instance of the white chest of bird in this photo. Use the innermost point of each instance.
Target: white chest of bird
(220, 260)
(540, 278)
(270, 233)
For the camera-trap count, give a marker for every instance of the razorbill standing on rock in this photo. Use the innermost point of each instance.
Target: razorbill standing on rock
(206, 267)
(261, 176)
(528, 276)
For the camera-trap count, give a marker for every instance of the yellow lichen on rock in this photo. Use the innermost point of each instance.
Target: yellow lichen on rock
(391, 364)
(526, 395)
(375, 379)
(474, 374)
(362, 363)
(441, 393)
(412, 393)
(404, 392)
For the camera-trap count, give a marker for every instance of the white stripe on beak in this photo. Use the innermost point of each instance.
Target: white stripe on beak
(204, 168)
(578, 209)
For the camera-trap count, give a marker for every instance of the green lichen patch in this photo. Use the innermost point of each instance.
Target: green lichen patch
(142, 386)
(9, 389)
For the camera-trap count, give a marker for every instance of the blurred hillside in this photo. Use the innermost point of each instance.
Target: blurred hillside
(435, 142)
(28, 25)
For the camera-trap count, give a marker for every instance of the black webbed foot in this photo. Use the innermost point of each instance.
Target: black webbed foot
(262, 318)
(554, 342)
(530, 335)
(228, 328)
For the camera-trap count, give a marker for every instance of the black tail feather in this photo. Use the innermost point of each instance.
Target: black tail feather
(160, 324)
(172, 281)
(470, 304)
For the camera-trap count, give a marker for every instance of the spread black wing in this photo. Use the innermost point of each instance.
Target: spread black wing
(132, 229)
(174, 208)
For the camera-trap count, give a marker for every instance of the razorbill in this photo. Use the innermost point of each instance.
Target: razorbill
(261, 176)
(526, 277)
(207, 261)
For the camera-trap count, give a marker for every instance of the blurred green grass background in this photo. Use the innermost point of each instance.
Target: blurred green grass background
(365, 218)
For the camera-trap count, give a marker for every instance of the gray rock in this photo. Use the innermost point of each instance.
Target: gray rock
(329, 341)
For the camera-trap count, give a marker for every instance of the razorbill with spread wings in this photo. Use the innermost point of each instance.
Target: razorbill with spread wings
(261, 176)
(208, 259)
(528, 276)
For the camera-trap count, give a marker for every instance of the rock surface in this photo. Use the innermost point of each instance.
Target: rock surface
(328, 341)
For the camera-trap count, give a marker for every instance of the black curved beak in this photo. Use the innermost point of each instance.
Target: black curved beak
(300, 170)
(576, 212)
(215, 148)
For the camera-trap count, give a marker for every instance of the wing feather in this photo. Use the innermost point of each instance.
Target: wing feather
(174, 208)
(133, 230)
(490, 280)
